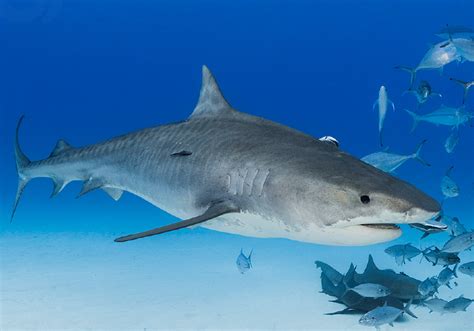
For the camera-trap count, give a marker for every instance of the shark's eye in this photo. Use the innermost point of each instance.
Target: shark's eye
(365, 199)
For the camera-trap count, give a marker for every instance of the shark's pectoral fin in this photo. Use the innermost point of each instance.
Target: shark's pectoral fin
(215, 210)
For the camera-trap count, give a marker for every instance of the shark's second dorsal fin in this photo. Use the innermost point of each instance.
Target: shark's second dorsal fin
(211, 101)
(60, 147)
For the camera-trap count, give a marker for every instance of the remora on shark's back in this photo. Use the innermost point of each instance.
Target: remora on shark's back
(237, 173)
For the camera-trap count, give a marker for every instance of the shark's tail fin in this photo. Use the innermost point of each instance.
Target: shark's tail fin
(417, 156)
(416, 119)
(407, 309)
(21, 163)
(465, 85)
(412, 72)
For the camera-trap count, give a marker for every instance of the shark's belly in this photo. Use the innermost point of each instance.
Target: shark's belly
(254, 225)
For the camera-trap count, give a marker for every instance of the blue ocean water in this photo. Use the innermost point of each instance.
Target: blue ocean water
(88, 70)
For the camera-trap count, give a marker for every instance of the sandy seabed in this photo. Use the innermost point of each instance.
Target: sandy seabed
(70, 281)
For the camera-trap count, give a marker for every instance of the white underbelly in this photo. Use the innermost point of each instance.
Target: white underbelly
(253, 225)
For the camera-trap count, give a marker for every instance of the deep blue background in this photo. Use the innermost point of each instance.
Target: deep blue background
(90, 70)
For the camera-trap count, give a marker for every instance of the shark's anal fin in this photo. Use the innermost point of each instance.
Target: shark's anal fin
(114, 193)
(215, 210)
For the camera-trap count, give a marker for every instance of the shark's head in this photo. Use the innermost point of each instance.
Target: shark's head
(356, 204)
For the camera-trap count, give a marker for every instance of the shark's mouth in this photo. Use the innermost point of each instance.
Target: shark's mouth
(387, 226)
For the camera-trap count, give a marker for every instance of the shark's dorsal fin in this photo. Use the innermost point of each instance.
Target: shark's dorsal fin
(211, 101)
(60, 147)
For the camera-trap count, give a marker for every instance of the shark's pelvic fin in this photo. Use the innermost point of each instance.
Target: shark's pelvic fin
(90, 185)
(21, 163)
(215, 210)
(61, 146)
(211, 101)
(59, 185)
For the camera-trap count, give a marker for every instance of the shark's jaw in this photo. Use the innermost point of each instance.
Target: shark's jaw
(373, 230)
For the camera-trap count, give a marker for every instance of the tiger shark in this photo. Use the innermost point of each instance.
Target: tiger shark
(229, 171)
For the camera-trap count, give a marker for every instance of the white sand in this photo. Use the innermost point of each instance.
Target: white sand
(67, 281)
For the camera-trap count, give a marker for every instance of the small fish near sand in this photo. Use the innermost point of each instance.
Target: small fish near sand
(370, 290)
(423, 92)
(459, 304)
(467, 268)
(444, 115)
(332, 274)
(402, 288)
(446, 275)
(448, 186)
(459, 243)
(401, 253)
(428, 287)
(382, 104)
(384, 315)
(435, 256)
(435, 305)
(452, 141)
(244, 263)
(389, 162)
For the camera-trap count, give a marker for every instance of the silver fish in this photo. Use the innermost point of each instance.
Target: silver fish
(466, 86)
(444, 115)
(449, 32)
(435, 305)
(445, 276)
(243, 262)
(437, 257)
(452, 141)
(430, 227)
(467, 268)
(428, 287)
(464, 48)
(456, 228)
(423, 92)
(384, 315)
(382, 104)
(436, 57)
(458, 304)
(439, 55)
(402, 252)
(448, 186)
(370, 290)
(459, 243)
(233, 172)
(389, 162)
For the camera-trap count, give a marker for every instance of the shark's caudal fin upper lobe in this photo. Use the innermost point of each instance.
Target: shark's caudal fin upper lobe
(21, 163)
